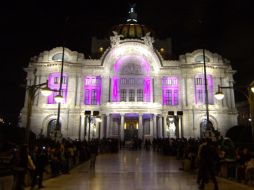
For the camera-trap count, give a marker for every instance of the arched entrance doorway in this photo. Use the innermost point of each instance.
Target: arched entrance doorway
(51, 129)
(206, 129)
(130, 129)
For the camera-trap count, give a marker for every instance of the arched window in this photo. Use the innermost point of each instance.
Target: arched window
(170, 91)
(206, 128)
(200, 59)
(59, 56)
(54, 83)
(52, 128)
(200, 94)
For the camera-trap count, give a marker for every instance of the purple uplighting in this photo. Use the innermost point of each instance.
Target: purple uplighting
(147, 89)
(115, 85)
(92, 90)
(132, 59)
(170, 91)
(200, 89)
(54, 83)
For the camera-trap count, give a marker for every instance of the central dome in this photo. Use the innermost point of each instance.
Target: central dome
(132, 29)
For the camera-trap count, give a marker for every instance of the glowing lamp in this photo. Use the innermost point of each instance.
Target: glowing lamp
(59, 98)
(46, 91)
(219, 95)
(252, 89)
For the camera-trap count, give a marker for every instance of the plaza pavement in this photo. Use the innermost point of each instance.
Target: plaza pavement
(133, 170)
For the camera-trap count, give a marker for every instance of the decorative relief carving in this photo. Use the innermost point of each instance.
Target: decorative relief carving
(148, 39)
(115, 40)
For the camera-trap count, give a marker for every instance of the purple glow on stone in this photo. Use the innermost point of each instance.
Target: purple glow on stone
(202, 88)
(133, 115)
(115, 85)
(147, 116)
(147, 89)
(54, 83)
(173, 86)
(92, 83)
(132, 59)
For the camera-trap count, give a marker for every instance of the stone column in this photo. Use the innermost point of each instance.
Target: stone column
(232, 97)
(165, 126)
(42, 99)
(102, 127)
(108, 131)
(190, 91)
(157, 89)
(81, 127)
(184, 92)
(79, 91)
(122, 128)
(155, 132)
(151, 125)
(180, 129)
(85, 127)
(140, 125)
(105, 89)
(160, 127)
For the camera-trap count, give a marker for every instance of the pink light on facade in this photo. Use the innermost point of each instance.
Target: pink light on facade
(147, 89)
(200, 89)
(139, 60)
(170, 91)
(115, 89)
(92, 90)
(54, 83)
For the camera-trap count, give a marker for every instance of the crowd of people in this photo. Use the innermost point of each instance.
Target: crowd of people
(44, 156)
(209, 157)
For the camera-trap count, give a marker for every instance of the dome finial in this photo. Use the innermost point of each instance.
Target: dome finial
(132, 15)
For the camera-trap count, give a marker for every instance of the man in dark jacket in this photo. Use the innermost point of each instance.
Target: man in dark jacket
(207, 163)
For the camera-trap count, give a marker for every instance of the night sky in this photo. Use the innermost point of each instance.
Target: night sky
(223, 27)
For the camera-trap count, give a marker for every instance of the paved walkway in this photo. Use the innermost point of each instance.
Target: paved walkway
(133, 170)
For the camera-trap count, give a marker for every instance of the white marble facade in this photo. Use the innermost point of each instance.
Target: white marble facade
(121, 106)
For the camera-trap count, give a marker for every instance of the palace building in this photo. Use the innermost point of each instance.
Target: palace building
(134, 86)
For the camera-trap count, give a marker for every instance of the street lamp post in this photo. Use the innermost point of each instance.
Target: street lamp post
(206, 93)
(59, 99)
(219, 95)
(32, 89)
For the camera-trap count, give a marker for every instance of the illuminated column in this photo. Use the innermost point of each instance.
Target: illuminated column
(183, 90)
(152, 90)
(102, 127)
(81, 127)
(180, 126)
(190, 91)
(108, 131)
(165, 126)
(151, 126)
(160, 127)
(157, 89)
(79, 90)
(232, 96)
(215, 86)
(140, 126)
(105, 89)
(155, 126)
(122, 127)
(42, 99)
